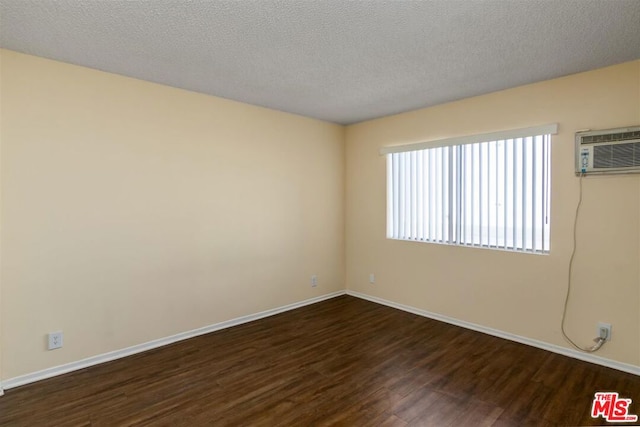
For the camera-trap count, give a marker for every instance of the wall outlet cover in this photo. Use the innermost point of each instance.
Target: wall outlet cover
(55, 340)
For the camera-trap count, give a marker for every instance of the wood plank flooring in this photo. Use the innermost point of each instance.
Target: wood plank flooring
(344, 361)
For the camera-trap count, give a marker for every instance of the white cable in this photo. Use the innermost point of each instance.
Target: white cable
(599, 340)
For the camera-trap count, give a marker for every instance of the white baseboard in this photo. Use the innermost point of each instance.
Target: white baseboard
(118, 354)
(587, 357)
(107, 357)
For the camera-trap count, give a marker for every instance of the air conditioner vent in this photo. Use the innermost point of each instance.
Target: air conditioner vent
(616, 156)
(608, 151)
(611, 137)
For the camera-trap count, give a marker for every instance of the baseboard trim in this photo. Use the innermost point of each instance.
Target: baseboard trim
(587, 357)
(118, 354)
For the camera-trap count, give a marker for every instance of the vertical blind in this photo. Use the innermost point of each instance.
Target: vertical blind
(491, 194)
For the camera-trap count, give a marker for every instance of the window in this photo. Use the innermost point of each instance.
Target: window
(489, 190)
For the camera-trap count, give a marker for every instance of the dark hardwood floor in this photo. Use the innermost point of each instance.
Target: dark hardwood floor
(344, 361)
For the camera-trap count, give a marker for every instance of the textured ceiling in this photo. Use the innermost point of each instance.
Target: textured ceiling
(333, 60)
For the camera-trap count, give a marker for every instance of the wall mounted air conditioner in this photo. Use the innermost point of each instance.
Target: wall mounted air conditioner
(608, 151)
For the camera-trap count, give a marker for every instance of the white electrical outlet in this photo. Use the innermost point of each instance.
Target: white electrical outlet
(55, 340)
(314, 281)
(372, 278)
(604, 331)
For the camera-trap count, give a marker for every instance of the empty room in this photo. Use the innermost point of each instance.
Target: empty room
(317, 213)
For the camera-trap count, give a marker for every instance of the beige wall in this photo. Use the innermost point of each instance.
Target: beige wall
(516, 293)
(133, 211)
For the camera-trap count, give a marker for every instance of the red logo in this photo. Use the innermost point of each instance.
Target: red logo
(612, 408)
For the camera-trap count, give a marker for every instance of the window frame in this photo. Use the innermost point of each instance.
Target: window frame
(451, 179)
